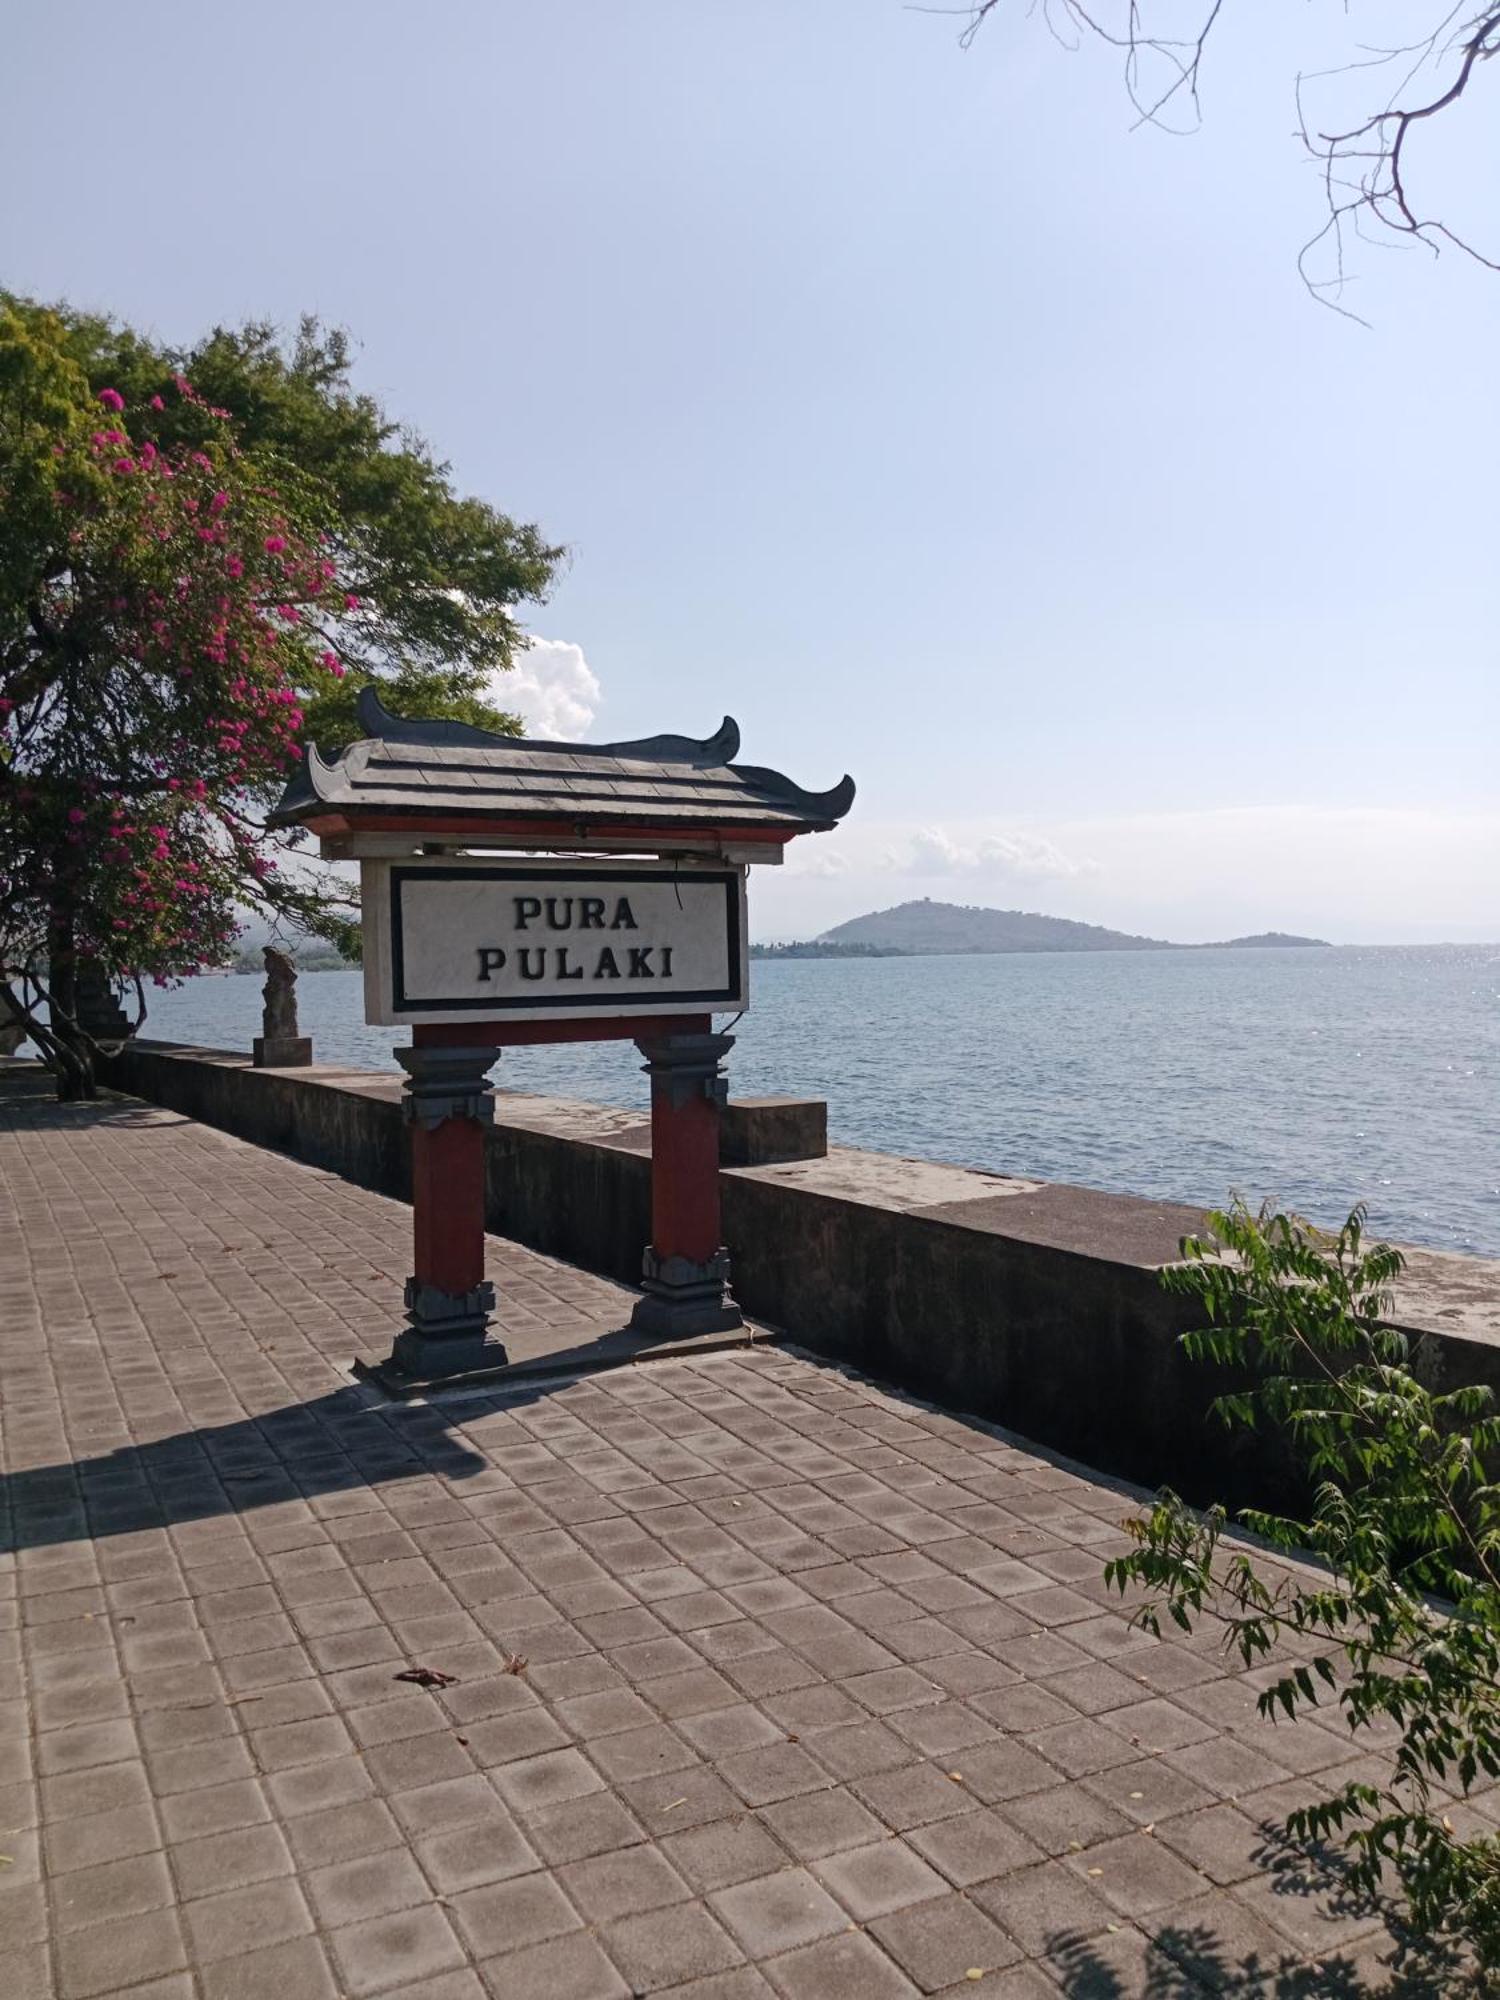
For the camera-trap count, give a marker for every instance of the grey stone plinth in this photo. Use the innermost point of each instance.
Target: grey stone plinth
(447, 1083)
(683, 1299)
(446, 1333)
(687, 1066)
(766, 1131)
(281, 1051)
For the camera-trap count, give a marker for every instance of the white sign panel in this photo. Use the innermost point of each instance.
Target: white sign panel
(550, 941)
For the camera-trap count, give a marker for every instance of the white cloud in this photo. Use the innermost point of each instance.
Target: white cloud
(552, 688)
(1027, 857)
(825, 864)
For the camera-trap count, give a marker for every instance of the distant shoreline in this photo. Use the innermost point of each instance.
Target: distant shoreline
(813, 949)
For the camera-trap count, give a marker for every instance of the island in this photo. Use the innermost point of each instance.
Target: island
(925, 928)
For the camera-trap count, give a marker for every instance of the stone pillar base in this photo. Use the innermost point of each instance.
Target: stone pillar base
(447, 1333)
(281, 1051)
(683, 1299)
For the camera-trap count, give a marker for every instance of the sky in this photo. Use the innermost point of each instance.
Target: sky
(901, 401)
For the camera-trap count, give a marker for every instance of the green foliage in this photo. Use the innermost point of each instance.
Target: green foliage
(204, 554)
(1397, 1622)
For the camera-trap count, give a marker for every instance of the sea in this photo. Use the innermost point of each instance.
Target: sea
(1311, 1077)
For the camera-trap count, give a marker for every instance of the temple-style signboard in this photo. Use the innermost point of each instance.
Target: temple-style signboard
(517, 892)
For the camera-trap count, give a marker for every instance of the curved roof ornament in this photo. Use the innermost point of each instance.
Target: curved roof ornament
(382, 726)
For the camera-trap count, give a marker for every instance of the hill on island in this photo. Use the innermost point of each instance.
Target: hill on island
(925, 926)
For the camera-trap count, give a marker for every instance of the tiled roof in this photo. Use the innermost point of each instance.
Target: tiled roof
(446, 768)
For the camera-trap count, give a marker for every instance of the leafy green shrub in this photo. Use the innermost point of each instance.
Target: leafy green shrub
(1397, 1620)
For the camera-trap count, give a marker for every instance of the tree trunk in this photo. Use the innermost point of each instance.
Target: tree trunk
(73, 1056)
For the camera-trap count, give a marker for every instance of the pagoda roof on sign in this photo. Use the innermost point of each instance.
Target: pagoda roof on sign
(421, 773)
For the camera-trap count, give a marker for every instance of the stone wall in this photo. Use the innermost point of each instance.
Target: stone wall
(1036, 1305)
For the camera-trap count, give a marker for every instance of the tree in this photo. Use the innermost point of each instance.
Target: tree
(1359, 121)
(1399, 1625)
(202, 556)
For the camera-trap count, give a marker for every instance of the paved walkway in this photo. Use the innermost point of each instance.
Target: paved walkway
(763, 1681)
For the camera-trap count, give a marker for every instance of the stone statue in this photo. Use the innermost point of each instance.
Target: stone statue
(278, 1045)
(96, 1004)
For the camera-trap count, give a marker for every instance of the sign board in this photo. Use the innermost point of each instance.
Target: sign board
(457, 940)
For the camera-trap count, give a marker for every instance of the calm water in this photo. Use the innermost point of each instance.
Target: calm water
(1316, 1077)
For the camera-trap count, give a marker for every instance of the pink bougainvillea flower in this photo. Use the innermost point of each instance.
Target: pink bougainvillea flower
(76, 815)
(275, 544)
(157, 403)
(219, 502)
(111, 399)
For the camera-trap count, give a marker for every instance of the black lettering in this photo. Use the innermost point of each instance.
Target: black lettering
(527, 907)
(591, 913)
(491, 958)
(624, 919)
(606, 968)
(640, 962)
(528, 970)
(565, 923)
(666, 961)
(564, 970)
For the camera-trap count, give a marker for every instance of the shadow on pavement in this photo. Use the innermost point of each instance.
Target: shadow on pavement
(335, 1444)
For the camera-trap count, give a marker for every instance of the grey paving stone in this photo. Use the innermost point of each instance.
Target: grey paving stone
(623, 1883)
(466, 1857)
(821, 1823)
(590, 1716)
(859, 1749)
(886, 1875)
(278, 1972)
(774, 1771)
(668, 1947)
(342, 1833)
(226, 1860)
(94, 1837)
(1040, 1906)
(371, 1886)
(450, 1803)
(565, 1968)
(536, 1782)
(463, 1985)
(113, 1889)
(680, 1799)
(839, 1968)
(384, 1951)
(945, 1941)
(776, 1913)
(127, 1951)
(915, 1795)
(240, 1920)
(639, 1753)
(723, 1852)
(505, 1916)
(721, 1732)
(1063, 1817)
(974, 1848)
(580, 1827)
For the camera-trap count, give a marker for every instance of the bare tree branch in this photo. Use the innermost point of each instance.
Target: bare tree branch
(1363, 165)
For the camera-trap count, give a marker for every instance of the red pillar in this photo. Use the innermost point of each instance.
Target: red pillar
(448, 1104)
(447, 1193)
(685, 1268)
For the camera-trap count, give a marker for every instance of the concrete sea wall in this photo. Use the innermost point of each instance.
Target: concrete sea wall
(1036, 1305)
